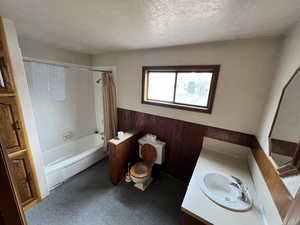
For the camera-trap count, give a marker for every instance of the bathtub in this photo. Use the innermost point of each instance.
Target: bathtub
(67, 160)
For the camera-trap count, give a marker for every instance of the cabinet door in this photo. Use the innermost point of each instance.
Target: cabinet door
(5, 77)
(10, 208)
(11, 125)
(21, 171)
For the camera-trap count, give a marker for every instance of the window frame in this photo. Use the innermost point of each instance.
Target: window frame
(195, 68)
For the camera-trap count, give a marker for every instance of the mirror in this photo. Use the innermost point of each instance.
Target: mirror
(284, 137)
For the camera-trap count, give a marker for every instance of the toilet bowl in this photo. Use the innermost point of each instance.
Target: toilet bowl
(140, 172)
(151, 152)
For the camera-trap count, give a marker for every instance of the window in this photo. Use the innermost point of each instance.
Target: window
(184, 87)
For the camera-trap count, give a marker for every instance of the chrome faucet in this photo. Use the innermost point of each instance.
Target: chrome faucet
(243, 190)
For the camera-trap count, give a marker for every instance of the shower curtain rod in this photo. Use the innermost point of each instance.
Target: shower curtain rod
(65, 65)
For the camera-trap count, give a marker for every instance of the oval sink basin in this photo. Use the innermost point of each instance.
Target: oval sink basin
(224, 191)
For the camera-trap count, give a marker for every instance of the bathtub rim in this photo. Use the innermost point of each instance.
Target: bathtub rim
(56, 148)
(71, 159)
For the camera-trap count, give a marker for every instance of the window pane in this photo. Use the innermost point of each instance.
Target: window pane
(193, 88)
(161, 86)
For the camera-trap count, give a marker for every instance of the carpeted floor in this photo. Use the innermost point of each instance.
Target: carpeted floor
(89, 199)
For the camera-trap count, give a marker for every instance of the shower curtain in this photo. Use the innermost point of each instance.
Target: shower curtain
(109, 107)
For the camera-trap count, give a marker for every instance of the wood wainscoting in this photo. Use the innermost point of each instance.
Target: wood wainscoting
(283, 147)
(184, 144)
(184, 139)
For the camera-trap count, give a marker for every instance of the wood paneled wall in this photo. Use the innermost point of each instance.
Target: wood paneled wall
(184, 139)
(282, 147)
(184, 143)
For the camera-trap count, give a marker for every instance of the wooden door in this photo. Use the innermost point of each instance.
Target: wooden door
(11, 125)
(11, 212)
(293, 215)
(21, 170)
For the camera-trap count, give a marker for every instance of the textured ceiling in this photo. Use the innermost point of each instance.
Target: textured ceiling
(96, 26)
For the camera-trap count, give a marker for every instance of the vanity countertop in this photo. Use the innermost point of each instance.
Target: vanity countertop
(125, 137)
(197, 205)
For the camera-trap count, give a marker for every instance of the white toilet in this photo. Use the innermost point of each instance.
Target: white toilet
(152, 151)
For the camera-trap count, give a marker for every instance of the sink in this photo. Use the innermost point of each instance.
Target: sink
(223, 190)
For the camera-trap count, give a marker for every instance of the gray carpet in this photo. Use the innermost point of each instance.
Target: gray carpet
(89, 199)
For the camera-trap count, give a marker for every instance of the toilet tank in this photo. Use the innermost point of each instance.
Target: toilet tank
(157, 144)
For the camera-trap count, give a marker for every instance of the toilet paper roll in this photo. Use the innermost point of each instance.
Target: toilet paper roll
(120, 134)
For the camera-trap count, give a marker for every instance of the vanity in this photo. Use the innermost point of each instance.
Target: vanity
(198, 209)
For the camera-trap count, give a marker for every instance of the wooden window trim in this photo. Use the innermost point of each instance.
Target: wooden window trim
(195, 68)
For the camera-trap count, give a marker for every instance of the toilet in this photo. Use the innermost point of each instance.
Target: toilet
(151, 151)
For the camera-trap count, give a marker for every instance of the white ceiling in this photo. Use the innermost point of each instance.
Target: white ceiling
(97, 26)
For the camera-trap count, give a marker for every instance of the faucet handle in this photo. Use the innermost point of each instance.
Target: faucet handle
(236, 185)
(243, 191)
(237, 180)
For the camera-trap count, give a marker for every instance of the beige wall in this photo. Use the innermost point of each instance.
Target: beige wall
(244, 81)
(289, 62)
(43, 51)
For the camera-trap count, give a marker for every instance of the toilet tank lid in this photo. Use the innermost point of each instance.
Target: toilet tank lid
(156, 143)
(148, 153)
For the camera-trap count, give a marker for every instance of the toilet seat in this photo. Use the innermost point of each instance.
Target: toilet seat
(141, 170)
(151, 152)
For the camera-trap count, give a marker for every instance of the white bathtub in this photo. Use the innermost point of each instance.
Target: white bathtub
(71, 158)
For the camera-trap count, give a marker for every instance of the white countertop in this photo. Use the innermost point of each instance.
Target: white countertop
(126, 136)
(197, 204)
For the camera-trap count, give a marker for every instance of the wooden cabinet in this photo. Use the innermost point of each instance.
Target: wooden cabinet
(11, 125)
(10, 209)
(12, 130)
(120, 153)
(21, 170)
(186, 219)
